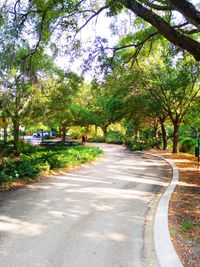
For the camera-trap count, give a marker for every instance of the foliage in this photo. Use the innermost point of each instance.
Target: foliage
(114, 137)
(157, 93)
(186, 226)
(96, 139)
(35, 161)
(188, 144)
(143, 145)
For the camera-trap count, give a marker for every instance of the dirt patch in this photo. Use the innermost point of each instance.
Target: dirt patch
(184, 209)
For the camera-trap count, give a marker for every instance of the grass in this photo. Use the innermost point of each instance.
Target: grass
(37, 161)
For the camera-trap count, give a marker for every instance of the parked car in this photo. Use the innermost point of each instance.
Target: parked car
(45, 133)
(27, 138)
(36, 135)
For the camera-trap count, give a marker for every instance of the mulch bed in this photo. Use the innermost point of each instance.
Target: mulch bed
(184, 209)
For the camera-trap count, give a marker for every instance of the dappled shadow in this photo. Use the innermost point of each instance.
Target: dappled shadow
(94, 209)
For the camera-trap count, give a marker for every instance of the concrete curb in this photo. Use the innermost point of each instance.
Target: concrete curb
(165, 252)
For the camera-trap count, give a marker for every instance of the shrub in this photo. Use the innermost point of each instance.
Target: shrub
(5, 173)
(7, 148)
(96, 139)
(60, 143)
(114, 137)
(28, 148)
(31, 165)
(187, 144)
(27, 168)
(186, 225)
(141, 145)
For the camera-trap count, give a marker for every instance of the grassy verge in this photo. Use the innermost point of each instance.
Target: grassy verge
(37, 161)
(184, 210)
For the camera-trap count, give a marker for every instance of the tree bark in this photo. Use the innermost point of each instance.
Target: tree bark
(105, 131)
(95, 130)
(64, 132)
(176, 125)
(5, 134)
(155, 128)
(164, 134)
(137, 134)
(171, 34)
(16, 135)
(188, 10)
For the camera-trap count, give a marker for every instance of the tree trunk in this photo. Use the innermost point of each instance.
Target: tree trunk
(64, 132)
(164, 135)
(105, 131)
(155, 130)
(137, 134)
(16, 135)
(95, 130)
(5, 134)
(176, 125)
(60, 131)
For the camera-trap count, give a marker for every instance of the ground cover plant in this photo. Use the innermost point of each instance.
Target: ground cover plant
(35, 161)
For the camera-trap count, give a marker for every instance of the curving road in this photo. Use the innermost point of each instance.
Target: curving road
(100, 215)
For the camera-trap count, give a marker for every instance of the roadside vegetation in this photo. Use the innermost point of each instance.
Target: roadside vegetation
(35, 162)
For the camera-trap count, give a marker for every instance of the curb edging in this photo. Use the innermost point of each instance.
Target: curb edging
(165, 251)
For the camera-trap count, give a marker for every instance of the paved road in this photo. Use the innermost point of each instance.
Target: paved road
(96, 216)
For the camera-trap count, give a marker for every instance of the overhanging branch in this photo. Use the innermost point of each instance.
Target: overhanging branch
(171, 34)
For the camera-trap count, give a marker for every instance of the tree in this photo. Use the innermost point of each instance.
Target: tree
(177, 34)
(109, 101)
(59, 105)
(160, 14)
(154, 110)
(175, 89)
(18, 76)
(100, 104)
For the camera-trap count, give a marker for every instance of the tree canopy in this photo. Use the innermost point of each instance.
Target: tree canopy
(176, 20)
(148, 79)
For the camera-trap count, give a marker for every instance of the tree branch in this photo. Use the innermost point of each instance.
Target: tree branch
(164, 28)
(188, 10)
(138, 45)
(157, 7)
(90, 18)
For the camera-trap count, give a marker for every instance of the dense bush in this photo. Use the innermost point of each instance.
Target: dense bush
(141, 145)
(188, 144)
(7, 148)
(114, 137)
(96, 139)
(32, 164)
(60, 143)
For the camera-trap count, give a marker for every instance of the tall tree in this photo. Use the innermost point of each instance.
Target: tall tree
(175, 88)
(18, 77)
(59, 109)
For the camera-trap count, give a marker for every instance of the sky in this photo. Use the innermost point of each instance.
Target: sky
(101, 28)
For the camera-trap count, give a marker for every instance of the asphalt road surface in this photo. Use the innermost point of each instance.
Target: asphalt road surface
(100, 215)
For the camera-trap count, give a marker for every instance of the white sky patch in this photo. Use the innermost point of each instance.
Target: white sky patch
(99, 27)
